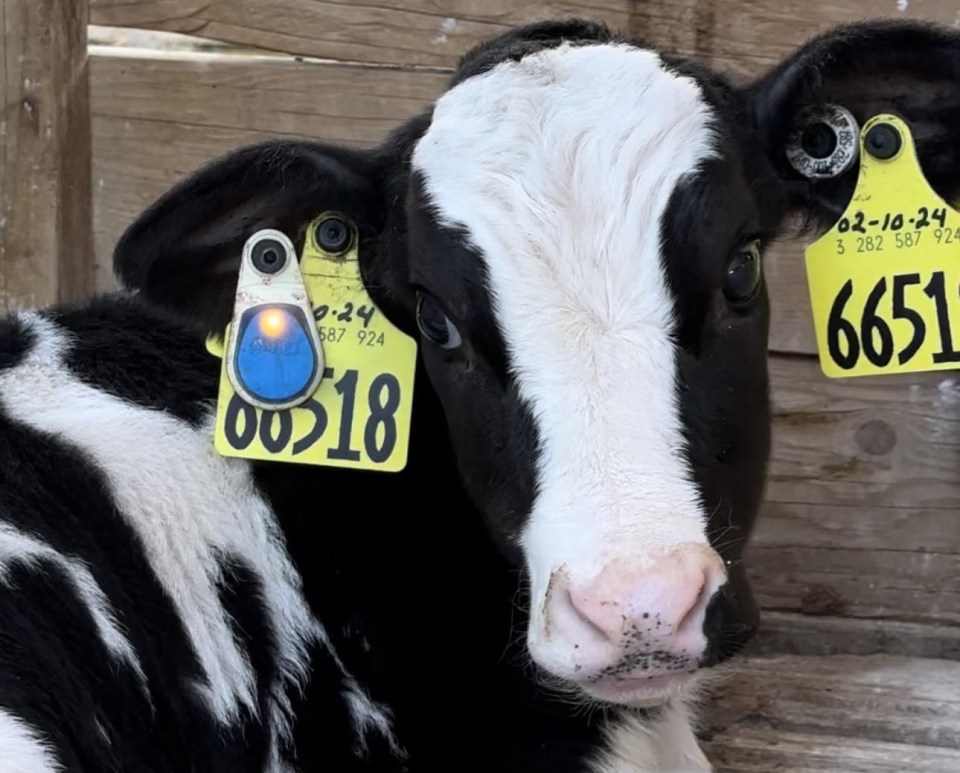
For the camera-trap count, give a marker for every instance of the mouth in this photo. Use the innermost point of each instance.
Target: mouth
(638, 692)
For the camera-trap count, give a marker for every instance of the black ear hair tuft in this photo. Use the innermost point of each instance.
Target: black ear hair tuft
(183, 253)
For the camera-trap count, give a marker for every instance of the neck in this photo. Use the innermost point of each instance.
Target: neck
(398, 566)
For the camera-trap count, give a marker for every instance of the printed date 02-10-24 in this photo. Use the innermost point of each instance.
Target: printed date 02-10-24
(923, 218)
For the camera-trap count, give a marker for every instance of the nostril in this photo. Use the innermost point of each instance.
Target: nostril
(628, 610)
(693, 617)
(574, 621)
(585, 617)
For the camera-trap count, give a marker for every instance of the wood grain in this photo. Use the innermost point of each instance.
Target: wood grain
(791, 318)
(159, 117)
(745, 37)
(759, 750)
(740, 35)
(402, 32)
(862, 513)
(794, 634)
(842, 713)
(46, 250)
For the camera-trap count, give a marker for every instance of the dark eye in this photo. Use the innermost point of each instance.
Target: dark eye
(435, 325)
(742, 281)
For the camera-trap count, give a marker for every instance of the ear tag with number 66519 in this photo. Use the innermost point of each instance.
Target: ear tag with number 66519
(356, 411)
(885, 280)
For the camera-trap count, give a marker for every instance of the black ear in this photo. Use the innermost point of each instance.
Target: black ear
(183, 253)
(910, 69)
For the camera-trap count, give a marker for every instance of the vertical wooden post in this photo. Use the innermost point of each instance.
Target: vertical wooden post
(46, 244)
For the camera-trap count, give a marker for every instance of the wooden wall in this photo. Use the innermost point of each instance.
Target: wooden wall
(859, 546)
(45, 245)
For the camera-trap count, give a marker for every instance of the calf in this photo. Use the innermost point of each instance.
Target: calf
(574, 233)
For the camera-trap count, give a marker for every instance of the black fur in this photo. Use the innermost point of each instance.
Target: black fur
(909, 68)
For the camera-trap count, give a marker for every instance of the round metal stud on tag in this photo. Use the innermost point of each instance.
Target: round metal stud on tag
(824, 141)
(883, 141)
(332, 235)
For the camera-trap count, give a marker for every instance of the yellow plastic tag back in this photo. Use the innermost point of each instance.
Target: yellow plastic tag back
(885, 280)
(360, 415)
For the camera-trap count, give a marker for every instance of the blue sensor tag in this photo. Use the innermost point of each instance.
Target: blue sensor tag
(274, 354)
(275, 359)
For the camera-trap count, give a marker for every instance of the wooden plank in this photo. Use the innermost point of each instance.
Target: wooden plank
(843, 713)
(791, 319)
(406, 32)
(861, 512)
(794, 634)
(262, 95)
(159, 117)
(46, 250)
(879, 443)
(759, 750)
(745, 37)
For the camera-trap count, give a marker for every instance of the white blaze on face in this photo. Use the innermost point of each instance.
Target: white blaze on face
(560, 168)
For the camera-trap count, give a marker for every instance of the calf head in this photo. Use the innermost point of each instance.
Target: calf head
(575, 232)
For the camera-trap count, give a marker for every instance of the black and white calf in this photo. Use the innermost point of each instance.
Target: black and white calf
(574, 232)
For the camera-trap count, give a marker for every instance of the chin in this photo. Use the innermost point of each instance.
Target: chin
(638, 692)
(641, 692)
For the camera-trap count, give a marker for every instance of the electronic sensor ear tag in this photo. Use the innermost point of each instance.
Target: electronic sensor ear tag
(885, 280)
(274, 358)
(313, 372)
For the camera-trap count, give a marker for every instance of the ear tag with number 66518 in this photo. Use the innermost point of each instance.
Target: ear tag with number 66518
(357, 410)
(885, 280)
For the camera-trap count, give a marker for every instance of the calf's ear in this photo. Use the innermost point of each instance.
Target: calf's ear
(183, 253)
(910, 69)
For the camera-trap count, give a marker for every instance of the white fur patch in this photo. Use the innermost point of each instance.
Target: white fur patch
(187, 505)
(16, 547)
(664, 745)
(560, 168)
(22, 750)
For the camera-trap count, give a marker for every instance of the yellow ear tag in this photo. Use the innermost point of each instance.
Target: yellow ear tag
(359, 417)
(885, 280)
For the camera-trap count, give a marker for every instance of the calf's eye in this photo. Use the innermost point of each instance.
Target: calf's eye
(435, 325)
(742, 281)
